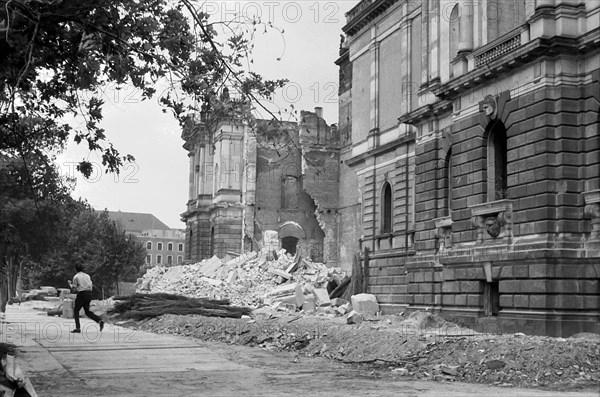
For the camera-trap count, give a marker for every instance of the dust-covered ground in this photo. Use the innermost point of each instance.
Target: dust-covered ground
(421, 346)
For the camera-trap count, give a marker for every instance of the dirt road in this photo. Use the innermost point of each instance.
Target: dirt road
(124, 362)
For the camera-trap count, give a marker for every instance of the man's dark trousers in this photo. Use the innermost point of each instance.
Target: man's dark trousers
(83, 300)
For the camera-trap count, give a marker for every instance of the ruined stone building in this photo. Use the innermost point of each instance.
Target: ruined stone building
(270, 184)
(470, 159)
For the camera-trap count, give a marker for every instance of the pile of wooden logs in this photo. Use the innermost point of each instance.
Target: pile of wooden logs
(142, 306)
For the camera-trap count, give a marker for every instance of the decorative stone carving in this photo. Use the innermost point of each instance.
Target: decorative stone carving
(489, 106)
(443, 232)
(592, 211)
(493, 219)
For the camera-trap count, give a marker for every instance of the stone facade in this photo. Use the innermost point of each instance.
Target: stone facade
(470, 159)
(252, 180)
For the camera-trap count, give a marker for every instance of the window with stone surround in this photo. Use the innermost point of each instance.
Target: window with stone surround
(179, 259)
(497, 172)
(148, 259)
(170, 247)
(149, 245)
(158, 259)
(448, 183)
(159, 246)
(386, 208)
(169, 259)
(180, 247)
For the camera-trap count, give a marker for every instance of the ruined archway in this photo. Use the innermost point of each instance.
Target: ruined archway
(290, 234)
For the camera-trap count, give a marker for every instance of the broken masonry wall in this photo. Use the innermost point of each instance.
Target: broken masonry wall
(350, 212)
(320, 167)
(280, 197)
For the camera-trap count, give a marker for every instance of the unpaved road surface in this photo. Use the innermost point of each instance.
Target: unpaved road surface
(126, 362)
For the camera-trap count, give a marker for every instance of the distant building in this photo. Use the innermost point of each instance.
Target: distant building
(164, 246)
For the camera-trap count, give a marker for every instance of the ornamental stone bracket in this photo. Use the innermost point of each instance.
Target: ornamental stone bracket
(592, 211)
(493, 220)
(443, 232)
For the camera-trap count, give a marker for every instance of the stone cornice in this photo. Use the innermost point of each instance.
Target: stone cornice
(528, 52)
(365, 12)
(381, 149)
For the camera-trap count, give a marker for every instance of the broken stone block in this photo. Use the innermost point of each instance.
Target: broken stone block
(309, 304)
(341, 311)
(354, 318)
(232, 277)
(285, 289)
(365, 303)
(299, 296)
(337, 302)
(290, 307)
(321, 297)
(291, 299)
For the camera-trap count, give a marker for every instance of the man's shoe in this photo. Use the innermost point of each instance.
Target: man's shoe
(101, 325)
(76, 331)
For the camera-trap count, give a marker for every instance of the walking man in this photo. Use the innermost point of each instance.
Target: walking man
(82, 285)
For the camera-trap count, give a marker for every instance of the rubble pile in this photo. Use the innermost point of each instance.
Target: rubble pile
(288, 282)
(420, 346)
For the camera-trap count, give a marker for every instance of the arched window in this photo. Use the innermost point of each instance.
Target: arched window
(289, 192)
(159, 246)
(180, 247)
(158, 259)
(169, 259)
(179, 259)
(448, 183)
(170, 247)
(454, 36)
(149, 245)
(497, 170)
(386, 206)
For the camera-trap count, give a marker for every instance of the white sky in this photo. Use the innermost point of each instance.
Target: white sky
(157, 182)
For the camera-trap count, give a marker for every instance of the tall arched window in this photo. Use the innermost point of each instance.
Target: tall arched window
(159, 246)
(497, 167)
(386, 206)
(170, 247)
(448, 183)
(454, 35)
(149, 245)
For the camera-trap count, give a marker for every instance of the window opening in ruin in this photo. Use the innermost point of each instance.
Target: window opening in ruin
(158, 259)
(497, 170)
(386, 222)
(211, 250)
(289, 192)
(289, 244)
(189, 252)
(491, 298)
(169, 259)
